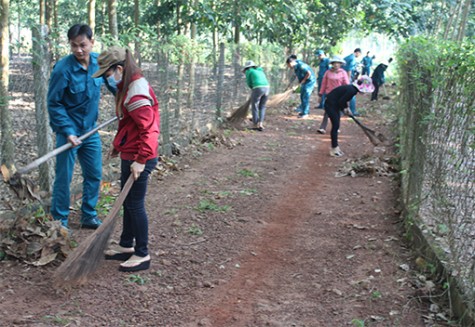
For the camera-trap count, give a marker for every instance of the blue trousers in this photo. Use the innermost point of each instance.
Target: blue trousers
(89, 154)
(305, 93)
(135, 220)
(353, 105)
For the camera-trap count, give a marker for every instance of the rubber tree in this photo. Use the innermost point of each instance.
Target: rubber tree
(7, 146)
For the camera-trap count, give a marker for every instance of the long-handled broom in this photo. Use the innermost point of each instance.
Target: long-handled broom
(87, 257)
(374, 137)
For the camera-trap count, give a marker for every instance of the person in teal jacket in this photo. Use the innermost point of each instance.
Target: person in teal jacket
(257, 81)
(307, 81)
(73, 108)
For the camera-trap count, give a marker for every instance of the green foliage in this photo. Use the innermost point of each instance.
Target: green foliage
(210, 205)
(137, 279)
(195, 230)
(247, 173)
(57, 320)
(358, 323)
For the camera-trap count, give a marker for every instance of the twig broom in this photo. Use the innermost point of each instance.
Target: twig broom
(374, 137)
(88, 256)
(238, 115)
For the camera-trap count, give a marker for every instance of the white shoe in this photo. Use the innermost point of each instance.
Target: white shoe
(336, 152)
(302, 116)
(320, 131)
(135, 263)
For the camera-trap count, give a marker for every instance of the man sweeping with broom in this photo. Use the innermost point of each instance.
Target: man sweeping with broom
(257, 82)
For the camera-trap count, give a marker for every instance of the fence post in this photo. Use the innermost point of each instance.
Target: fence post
(41, 71)
(219, 91)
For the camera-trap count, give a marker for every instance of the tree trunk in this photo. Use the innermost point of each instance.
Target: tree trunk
(7, 146)
(237, 54)
(42, 12)
(137, 24)
(41, 72)
(113, 28)
(192, 70)
(464, 20)
(91, 15)
(165, 109)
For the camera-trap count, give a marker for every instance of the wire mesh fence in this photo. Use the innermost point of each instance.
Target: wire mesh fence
(437, 131)
(194, 98)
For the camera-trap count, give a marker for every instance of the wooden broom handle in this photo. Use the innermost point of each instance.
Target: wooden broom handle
(120, 199)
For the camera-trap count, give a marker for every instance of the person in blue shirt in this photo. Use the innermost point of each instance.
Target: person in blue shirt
(367, 62)
(350, 67)
(323, 66)
(73, 107)
(307, 80)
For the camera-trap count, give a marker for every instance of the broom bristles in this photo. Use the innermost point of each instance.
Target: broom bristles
(278, 99)
(87, 257)
(238, 115)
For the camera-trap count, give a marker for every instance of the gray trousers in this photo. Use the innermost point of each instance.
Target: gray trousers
(259, 98)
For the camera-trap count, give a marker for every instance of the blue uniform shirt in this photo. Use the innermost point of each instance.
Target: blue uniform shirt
(323, 66)
(350, 65)
(301, 70)
(73, 96)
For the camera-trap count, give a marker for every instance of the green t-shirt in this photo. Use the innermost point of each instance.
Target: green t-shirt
(255, 77)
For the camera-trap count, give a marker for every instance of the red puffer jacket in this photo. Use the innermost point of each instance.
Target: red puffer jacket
(139, 127)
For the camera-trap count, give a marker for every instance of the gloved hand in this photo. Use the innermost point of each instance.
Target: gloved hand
(347, 111)
(136, 169)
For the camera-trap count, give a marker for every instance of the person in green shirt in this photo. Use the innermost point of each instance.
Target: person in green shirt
(257, 81)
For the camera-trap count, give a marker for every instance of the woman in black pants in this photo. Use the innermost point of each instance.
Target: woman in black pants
(337, 101)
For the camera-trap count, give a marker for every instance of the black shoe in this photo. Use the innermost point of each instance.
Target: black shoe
(91, 223)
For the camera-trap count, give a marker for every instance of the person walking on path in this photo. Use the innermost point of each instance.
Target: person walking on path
(337, 101)
(367, 62)
(333, 78)
(137, 143)
(323, 66)
(350, 66)
(73, 108)
(378, 78)
(256, 80)
(306, 78)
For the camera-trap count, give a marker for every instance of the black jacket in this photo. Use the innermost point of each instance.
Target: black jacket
(338, 98)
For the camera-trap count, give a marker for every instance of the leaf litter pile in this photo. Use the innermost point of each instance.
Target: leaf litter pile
(368, 165)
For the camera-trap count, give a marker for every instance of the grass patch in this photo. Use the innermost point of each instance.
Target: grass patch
(210, 205)
(247, 173)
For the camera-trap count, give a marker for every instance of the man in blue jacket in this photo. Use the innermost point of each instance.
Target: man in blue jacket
(306, 78)
(350, 67)
(323, 66)
(73, 107)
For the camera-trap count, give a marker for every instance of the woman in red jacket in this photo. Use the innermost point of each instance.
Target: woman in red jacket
(137, 143)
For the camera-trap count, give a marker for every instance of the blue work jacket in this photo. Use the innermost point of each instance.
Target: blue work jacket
(301, 70)
(73, 96)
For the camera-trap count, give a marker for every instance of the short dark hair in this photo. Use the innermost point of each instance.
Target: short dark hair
(292, 57)
(357, 50)
(80, 29)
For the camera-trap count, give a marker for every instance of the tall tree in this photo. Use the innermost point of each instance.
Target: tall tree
(91, 14)
(6, 124)
(137, 31)
(113, 27)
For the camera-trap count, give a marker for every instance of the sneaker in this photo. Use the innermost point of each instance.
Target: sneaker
(117, 252)
(336, 152)
(91, 223)
(320, 131)
(135, 263)
(302, 116)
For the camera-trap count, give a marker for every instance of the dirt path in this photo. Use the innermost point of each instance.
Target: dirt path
(261, 234)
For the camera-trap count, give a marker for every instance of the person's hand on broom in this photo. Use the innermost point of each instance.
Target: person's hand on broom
(136, 169)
